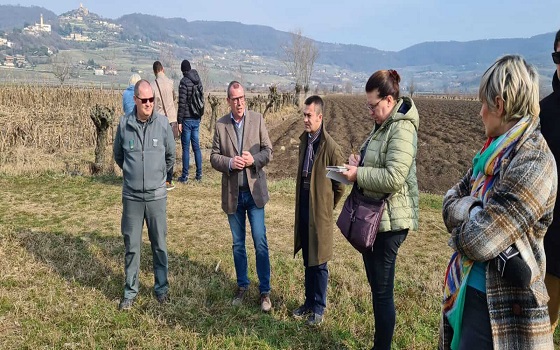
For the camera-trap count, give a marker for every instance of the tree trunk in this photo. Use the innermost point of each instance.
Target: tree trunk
(296, 97)
(102, 118)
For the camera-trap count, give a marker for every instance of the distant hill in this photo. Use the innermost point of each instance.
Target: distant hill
(263, 40)
(439, 66)
(453, 53)
(267, 41)
(17, 16)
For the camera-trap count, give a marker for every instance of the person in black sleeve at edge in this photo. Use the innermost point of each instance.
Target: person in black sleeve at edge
(550, 129)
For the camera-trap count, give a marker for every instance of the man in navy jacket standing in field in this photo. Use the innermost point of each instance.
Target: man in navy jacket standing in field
(189, 121)
(144, 149)
(550, 129)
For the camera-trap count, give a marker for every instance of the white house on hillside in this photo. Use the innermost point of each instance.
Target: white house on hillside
(5, 42)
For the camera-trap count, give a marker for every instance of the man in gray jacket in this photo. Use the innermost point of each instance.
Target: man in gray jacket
(144, 149)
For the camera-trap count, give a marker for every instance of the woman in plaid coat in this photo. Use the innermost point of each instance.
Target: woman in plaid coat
(506, 199)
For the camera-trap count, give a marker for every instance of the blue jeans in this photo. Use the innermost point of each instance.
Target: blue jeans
(380, 270)
(246, 206)
(189, 136)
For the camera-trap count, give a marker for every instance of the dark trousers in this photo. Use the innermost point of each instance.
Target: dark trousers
(476, 332)
(316, 277)
(132, 221)
(380, 270)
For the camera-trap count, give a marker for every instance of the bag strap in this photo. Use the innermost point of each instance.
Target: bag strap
(161, 96)
(356, 188)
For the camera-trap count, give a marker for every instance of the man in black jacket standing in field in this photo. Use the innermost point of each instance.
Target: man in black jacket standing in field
(550, 128)
(189, 122)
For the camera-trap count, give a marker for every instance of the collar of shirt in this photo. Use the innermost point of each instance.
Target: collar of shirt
(240, 123)
(313, 137)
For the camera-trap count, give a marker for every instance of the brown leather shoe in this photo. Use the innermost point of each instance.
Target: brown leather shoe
(239, 295)
(266, 304)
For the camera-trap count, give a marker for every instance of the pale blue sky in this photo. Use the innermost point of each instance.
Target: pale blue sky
(386, 25)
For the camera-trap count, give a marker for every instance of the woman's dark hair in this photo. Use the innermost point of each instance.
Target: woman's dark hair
(386, 82)
(556, 40)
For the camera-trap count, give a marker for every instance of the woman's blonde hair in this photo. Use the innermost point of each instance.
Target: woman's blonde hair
(516, 82)
(134, 78)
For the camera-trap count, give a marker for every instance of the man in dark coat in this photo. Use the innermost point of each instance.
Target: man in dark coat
(316, 197)
(189, 123)
(550, 129)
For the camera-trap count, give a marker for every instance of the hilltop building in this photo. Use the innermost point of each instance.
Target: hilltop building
(9, 61)
(18, 61)
(77, 37)
(38, 28)
(76, 15)
(5, 42)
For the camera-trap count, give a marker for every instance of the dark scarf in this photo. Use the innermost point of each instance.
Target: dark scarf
(308, 160)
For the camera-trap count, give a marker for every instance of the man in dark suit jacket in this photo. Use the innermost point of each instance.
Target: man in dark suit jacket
(241, 149)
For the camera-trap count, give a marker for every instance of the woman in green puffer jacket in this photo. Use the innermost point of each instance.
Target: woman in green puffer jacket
(386, 165)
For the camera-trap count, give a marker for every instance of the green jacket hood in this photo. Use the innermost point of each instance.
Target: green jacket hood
(410, 112)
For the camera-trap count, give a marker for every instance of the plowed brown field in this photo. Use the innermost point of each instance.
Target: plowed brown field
(450, 133)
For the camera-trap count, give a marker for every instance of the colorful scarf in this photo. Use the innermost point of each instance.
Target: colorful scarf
(486, 168)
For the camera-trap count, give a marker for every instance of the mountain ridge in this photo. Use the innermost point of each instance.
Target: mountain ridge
(212, 37)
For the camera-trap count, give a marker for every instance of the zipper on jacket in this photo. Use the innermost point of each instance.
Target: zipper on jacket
(144, 165)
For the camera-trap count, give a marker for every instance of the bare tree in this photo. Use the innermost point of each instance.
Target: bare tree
(61, 67)
(169, 62)
(411, 86)
(299, 57)
(348, 87)
(239, 76)
(204, 74)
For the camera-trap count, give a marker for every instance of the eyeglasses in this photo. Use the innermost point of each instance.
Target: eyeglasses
(146, 100)
(373, 107)
(556, 57)
(237, 99)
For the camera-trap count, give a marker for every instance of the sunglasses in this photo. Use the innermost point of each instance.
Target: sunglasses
(556, 57)
(146, 100)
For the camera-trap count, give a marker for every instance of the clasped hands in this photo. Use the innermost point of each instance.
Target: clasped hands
(244, 160)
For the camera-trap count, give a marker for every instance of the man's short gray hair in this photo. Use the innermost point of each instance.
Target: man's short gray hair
(137, 86)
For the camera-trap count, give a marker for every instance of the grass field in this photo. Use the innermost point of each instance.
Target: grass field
(62, 252)
(62, 276)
